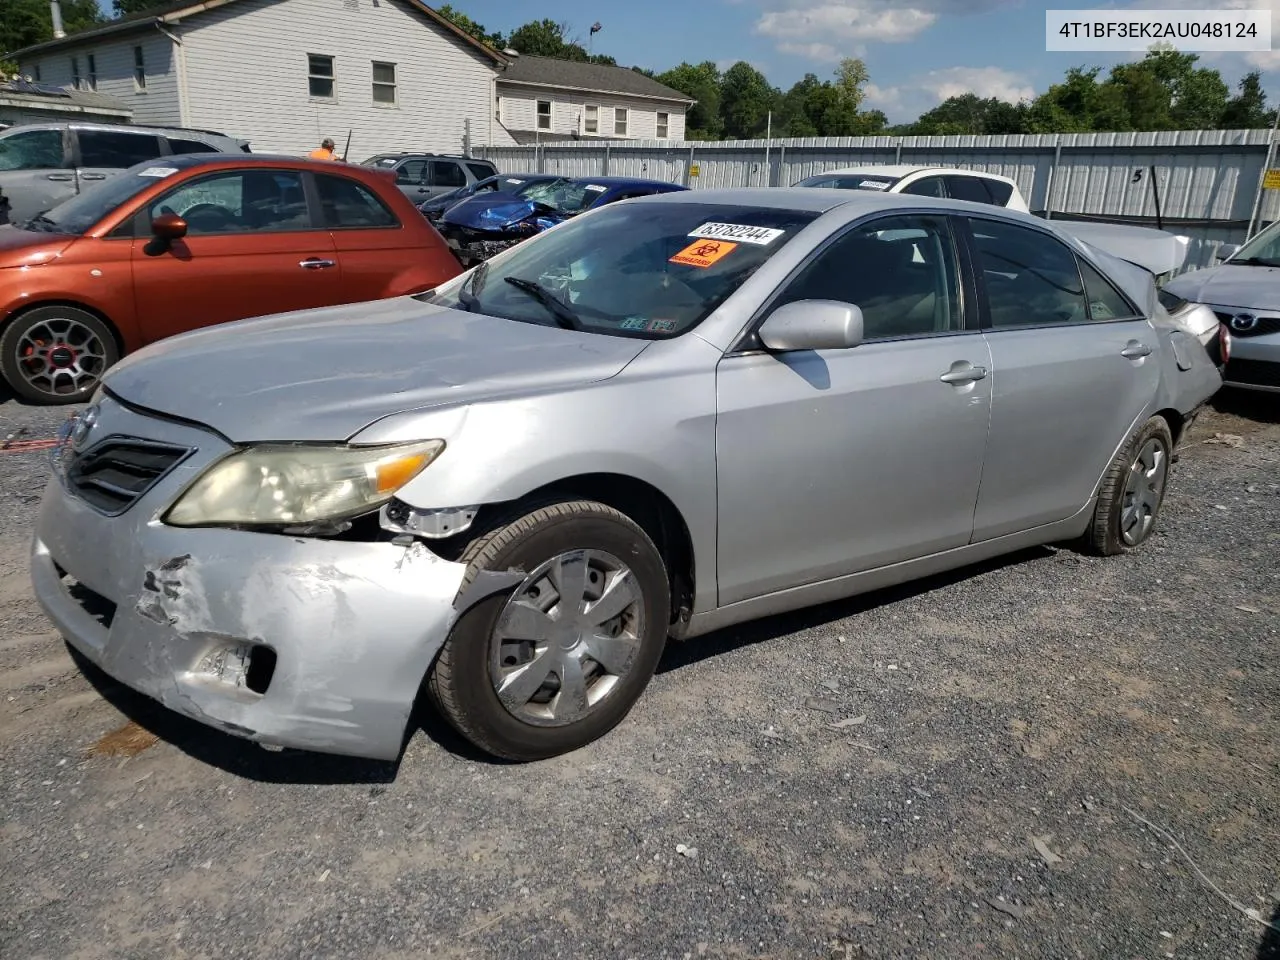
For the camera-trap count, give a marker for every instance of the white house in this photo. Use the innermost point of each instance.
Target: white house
(544, 99)
(395, 74)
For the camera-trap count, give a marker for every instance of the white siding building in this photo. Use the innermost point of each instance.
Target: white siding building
(285, 74)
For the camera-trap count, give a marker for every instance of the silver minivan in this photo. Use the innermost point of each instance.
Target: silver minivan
(42, 164)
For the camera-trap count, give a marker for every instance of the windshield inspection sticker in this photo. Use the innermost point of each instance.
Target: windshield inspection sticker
(596, 187)
(158, 172)
(703, 253)
(634, 323)
(761, 236)
(661, 326)
(873, 185)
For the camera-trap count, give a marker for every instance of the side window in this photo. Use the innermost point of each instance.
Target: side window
(901, 272)
(31, 150)
(349, 204)
(1031, 278)
(926, 187)
(412, 172)
(1000, 192)
(189, 146)
(446, 173)
(244, 201)
(1105, 301)
(107, 148)
(972, 189)
(481, 172)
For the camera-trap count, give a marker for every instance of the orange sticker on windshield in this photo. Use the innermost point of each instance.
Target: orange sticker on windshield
(703, 253)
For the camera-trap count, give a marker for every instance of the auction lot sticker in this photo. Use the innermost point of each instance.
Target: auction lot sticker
(738, 232)
(703, 253)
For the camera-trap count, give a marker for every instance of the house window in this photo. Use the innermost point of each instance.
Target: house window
(91, 82)
(620, 121)
(591, 122)
(320, 75)
(544, 114)
(384, 82)
(663, 124)
(139, 69)
(75, 73)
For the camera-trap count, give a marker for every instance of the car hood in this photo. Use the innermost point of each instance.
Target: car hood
(323, 375)
(485, 213)
(22, 248)
(1251, 288)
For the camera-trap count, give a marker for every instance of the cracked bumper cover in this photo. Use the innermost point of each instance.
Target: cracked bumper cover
(354, 625)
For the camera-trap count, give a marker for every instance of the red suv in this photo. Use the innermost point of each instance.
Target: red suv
(184, 242)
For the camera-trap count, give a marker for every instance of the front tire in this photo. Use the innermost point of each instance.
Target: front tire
(1132, 491)
(56, 355)
(560, 661)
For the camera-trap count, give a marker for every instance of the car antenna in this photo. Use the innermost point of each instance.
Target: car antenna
(346, 148)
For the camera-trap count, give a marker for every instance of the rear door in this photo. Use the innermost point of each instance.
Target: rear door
(411, 178)
(1074, 368)
(445, 175)
(252, 248)
(104, 153)
(36, 172)
(368, 238)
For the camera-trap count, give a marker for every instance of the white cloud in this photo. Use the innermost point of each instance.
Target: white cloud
(844, 20)
(926, 90)
(820, 52)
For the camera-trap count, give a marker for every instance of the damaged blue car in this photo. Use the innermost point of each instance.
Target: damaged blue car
(481, 226)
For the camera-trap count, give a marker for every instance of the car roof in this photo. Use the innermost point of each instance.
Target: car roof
(118, 128)
(823, 199)
(624, 182)
(902, 170)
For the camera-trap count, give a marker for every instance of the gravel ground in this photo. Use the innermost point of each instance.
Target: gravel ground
(954, 769)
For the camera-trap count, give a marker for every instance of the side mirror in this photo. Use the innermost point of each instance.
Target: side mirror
(165, 229)
(1226, 251)
(812, 325)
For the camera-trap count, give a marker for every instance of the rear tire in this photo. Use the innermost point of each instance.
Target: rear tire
(1132, 491)
(56, 355)
(559, 661)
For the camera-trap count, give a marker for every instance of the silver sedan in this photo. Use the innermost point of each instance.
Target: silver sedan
(656, 420)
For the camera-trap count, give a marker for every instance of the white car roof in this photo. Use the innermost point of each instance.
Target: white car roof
(902, 170)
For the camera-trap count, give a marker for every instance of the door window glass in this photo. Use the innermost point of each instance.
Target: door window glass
(1105, 301)
(481, 171)
(926, 187)
(349, 204)
(31, 150)
(411, 173)
(189, 146)
(446, 173)
(972, 189)
(246, 201)
(1031, 278)
(107, 148)
(900, 271)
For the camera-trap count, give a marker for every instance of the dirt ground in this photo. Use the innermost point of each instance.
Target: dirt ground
(1047, 756)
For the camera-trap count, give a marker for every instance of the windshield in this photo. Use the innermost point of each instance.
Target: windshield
(644, 269)
(849, 181)
(563, 196)
(1262, 250)
(84, 210)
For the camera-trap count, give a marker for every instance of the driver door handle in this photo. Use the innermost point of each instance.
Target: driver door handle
(1135, 349)
(60, 177)
(315, 263)
(93, 176)
(964, 374)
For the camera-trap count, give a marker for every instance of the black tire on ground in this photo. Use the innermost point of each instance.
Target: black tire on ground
(460, 684)
(1104, 536)
(40, 388)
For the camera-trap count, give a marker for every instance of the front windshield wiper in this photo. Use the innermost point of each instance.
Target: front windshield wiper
(1255, 262)
(563, 313)
(468, 293)
(41, 223)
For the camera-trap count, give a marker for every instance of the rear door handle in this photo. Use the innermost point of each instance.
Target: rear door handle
(1134, 350)
(93, 176)
(60, 177)
(963, 372)
(315, 263)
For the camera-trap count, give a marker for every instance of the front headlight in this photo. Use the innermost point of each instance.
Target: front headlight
(296, 484)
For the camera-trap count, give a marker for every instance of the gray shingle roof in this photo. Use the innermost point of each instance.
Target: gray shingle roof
(597, 77)
(83, 99)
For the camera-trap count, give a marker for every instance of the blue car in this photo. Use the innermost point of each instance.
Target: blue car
(483, 225)
(505, 184)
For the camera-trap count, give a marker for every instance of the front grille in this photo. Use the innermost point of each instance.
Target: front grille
(1259, 373)
(115, 473)
(1265, 325)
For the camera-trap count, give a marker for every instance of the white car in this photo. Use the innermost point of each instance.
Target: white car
(972, 185)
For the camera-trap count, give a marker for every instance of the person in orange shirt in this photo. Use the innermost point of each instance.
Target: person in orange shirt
(325, 151)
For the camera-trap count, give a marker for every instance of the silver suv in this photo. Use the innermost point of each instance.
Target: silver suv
(42, 164)
(421, 176)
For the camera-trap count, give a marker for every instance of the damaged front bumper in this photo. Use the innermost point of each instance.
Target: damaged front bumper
(298, 642)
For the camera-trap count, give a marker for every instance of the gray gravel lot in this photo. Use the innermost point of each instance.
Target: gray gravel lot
(865, 779)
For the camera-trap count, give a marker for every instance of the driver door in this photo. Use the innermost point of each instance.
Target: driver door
(251, 249)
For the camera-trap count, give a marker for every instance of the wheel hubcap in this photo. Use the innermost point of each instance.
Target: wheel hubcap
(60, 357)
(567, 637)
(1143, 492)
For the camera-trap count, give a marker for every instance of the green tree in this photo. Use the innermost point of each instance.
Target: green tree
(125, 8)
(745, 101)
(546, 38)
(465, 24)
(701, 83)
(851, 77)
(1247, 110)
(970, 114)
(25, 22)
